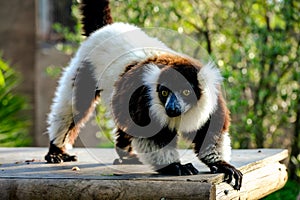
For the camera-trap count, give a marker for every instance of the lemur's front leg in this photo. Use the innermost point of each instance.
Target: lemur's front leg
(212, 144)
(216, 156)
(160, 152)
(124, 149)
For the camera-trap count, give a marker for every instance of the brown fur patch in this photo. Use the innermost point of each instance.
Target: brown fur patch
(172, 60)
(226, 113)
(74, 130)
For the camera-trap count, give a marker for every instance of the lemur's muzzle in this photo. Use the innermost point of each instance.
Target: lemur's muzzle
(172, 107)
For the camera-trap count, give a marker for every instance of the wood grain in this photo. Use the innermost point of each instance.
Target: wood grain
(25, 175)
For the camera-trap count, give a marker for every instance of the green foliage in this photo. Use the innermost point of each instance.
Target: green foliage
(289, 192)
(70, 39)
(106, 126)
(296, 162)
(13, 123)
(53, 71)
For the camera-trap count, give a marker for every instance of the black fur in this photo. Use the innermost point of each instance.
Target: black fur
(124, 149)
(229, 171)
(57, 155)
(179, 77)
(85, 90)
(131, 104)
(138, 106)
(96, 14)
(123, 144)
(178, 169)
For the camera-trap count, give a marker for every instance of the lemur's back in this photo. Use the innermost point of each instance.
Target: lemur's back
(110, 49)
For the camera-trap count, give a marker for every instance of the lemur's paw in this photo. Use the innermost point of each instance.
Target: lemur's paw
(178, 169)
(58, 155)
(127, 161)
(230, 173)
(59, 158)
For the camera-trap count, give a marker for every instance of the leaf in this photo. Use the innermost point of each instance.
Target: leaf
(2, 81)
(13, 123)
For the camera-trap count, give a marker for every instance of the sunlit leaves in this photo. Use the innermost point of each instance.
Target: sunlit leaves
(13, 123)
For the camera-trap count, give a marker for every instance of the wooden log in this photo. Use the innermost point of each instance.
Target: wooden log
(25, 175)
(256, 184)
(105, 189)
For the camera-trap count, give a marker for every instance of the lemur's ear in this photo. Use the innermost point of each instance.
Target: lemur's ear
(84, 91)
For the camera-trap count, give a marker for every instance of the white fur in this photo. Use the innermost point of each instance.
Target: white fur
(61, 115)
(120, 44)
(225, 147)
(209, 79)
(157, 110)
(149, 153)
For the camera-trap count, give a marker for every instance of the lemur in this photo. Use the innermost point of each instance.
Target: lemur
(153, 93)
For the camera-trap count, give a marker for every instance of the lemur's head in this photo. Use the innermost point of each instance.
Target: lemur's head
(178, 88)
(167, 90)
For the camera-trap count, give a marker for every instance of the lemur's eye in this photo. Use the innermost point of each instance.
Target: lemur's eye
(164, 93)
(186, 92)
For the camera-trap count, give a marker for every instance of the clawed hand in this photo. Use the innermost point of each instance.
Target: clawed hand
(229, 171)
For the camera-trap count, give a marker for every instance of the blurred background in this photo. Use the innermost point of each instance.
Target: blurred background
(255, 43)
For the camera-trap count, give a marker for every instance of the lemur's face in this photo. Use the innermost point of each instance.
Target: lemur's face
(178, 91)
(176, 101)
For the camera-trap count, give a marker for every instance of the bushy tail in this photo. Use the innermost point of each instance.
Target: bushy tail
(96, 14)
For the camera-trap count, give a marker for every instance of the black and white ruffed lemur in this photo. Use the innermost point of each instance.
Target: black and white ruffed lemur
(153, 93)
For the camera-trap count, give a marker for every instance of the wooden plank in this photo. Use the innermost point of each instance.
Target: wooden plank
(105, 189)
(23, 170)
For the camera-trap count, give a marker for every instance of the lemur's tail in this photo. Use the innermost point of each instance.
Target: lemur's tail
(96, 14)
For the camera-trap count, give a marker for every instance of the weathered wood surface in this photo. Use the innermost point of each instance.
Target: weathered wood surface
(25, 175)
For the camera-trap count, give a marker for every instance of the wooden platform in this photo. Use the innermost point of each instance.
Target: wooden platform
(25, 175)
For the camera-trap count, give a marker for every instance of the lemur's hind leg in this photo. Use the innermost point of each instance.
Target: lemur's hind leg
(124, 149)
(74, 103)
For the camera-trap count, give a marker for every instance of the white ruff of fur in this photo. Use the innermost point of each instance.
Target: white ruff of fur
(149, 153)
(150, 79)
(209, 79)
